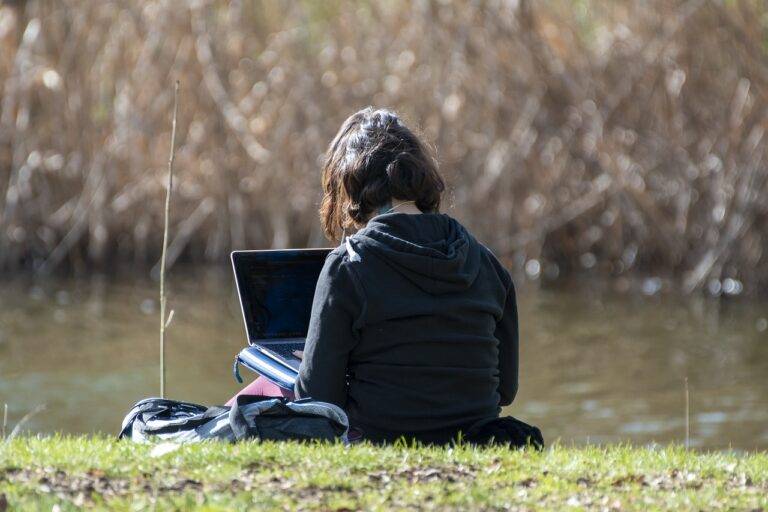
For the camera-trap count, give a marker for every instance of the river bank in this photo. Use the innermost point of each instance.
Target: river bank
(71, 472)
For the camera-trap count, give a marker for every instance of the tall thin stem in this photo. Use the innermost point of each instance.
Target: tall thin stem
(687, 416)
(163, 320)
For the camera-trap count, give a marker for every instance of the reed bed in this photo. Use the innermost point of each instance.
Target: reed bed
(621, 138)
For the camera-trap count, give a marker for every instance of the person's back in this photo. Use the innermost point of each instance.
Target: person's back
(427, 359)
(414, 323)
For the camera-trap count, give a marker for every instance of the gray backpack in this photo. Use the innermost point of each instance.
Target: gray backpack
(251, 417)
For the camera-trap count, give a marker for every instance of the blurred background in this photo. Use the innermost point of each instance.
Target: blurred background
(611, 152)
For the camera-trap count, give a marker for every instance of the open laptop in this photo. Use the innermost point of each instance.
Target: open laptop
(276, 289)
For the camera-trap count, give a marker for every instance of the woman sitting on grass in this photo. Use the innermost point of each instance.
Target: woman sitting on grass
(414, 323)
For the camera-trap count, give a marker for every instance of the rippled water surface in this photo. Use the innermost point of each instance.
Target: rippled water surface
(595, 367)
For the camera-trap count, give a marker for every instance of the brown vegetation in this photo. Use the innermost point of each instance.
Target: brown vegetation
(618, 137)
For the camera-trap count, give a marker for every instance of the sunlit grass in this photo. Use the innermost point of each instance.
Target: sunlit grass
(37, 473)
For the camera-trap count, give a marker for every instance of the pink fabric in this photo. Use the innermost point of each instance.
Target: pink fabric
(262, 387)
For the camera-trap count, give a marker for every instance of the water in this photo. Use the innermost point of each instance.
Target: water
(596, 367)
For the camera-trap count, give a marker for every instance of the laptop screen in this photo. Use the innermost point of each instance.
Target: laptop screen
(276, 289)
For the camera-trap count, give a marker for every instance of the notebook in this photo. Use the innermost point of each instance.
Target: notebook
(276, 289)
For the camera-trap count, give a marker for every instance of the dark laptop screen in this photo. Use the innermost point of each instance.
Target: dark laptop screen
(276, 289)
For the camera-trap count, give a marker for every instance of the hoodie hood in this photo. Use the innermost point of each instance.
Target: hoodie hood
(431, 250)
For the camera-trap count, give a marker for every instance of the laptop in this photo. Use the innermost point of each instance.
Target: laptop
(276, 289)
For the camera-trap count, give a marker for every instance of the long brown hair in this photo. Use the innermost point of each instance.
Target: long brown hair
(373, 160)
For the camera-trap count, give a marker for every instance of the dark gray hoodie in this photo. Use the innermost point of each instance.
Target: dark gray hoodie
(413, 330)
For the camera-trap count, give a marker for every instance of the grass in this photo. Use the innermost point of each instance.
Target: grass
(72, 472)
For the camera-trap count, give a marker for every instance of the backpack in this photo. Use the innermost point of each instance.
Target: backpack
(250, 417)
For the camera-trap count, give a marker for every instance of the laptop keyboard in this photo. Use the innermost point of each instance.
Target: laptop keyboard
(285, 349)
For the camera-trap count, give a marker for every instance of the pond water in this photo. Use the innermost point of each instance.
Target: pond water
(596, 367)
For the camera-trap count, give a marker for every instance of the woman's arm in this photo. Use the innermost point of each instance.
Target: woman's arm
(509, 346)
(331, 336)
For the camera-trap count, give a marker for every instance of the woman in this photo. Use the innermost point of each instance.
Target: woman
(414, 323)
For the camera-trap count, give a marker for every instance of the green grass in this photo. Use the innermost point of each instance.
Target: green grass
(71, 472)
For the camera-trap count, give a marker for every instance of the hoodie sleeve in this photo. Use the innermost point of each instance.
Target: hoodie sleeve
(509, 345)
(331, 335)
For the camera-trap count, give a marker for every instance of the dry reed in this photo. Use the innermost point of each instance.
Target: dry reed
(166, 321)
(687, 415)
(620, 138)
(23, 421)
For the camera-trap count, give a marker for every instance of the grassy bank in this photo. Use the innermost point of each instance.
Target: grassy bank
(37, 474)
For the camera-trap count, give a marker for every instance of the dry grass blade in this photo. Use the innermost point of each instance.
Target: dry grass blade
(687, 415)
(165, 322)
(23, 421)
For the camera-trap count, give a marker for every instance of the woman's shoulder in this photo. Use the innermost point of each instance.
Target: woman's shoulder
(341, 255)
(497, 265)
(336, 258)
(489, 258)
(338, 273)
(339, 261)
